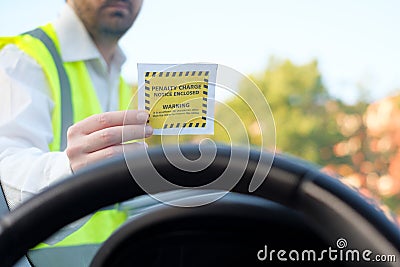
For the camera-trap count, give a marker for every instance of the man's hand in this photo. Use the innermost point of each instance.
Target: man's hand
(101, 136)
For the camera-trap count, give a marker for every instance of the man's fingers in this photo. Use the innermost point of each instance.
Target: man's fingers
(113, 151)
(100, 136)
(115, 136)
(111, 119)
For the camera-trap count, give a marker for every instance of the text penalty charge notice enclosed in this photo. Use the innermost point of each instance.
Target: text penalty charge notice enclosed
(179, 98)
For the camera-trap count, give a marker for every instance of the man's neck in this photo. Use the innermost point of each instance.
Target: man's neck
(106, 46)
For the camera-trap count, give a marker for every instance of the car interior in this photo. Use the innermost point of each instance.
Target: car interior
(292, 212)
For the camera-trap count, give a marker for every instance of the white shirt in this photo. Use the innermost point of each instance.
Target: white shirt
(26, 164)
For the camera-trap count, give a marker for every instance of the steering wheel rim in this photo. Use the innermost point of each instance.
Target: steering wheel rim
(320, 197)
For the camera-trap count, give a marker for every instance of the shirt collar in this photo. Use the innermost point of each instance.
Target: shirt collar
(75, 42)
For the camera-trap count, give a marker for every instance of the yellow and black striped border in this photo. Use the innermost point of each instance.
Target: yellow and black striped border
(150, 75)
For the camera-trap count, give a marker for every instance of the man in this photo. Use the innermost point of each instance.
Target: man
(86, 34)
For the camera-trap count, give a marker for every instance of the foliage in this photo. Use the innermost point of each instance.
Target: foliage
(298, 101)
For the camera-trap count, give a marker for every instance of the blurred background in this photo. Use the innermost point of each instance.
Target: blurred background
(330, 71)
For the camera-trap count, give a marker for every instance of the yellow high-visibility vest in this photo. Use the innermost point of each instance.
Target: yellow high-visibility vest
(84, 104)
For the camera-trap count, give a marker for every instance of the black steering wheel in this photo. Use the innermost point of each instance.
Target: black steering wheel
(294, 201)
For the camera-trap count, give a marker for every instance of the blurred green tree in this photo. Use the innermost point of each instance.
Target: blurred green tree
(300, 105)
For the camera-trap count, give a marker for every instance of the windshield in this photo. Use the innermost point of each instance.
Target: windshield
(315, 81)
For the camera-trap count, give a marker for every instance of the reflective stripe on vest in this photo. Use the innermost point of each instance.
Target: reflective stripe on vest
(65, 87)
(84, 104)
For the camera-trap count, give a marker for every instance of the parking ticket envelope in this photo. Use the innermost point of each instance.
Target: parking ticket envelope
(179, 98)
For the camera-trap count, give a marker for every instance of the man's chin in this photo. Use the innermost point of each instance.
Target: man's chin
(116, 27)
